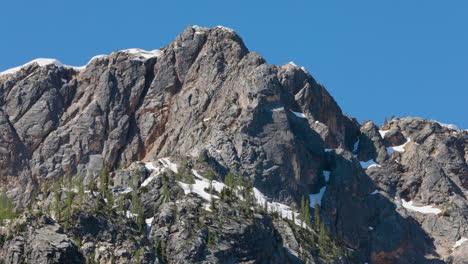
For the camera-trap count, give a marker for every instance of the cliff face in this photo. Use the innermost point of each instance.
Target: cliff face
(216, 112)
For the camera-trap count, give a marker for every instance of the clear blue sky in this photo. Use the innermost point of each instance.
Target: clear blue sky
(377, 58)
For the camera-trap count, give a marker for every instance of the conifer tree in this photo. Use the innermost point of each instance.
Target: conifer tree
(317, 215)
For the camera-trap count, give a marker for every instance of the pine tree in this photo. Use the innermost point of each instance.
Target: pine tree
(302, 213)
(229, 180)
(92, 184)
(323, 237)
(57, 200)
(212, 204)
(104, 180)
(6, 207)
(317, 215)
(81, 193)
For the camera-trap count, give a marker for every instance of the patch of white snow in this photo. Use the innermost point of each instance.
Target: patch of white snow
(427, 209)
(301, 115)
(400, 148)
(383, 132)
(326, 174)
(316, 198)
(459, 242)
(168, 164)
(356, 145)
(369, 164)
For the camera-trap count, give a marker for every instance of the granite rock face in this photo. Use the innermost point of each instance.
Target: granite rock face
(117, 144)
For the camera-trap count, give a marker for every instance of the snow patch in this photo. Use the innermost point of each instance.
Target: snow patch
(369, 164)
(278, 109)
(427, 209)
(168, 164)
(200, 185)
(149, 221)
(383, 132)
(301, 115)
(328, 150)
(129, 214)
(370, 228)
(356, 145)
(374, 192)
(317, 197)
(459, 242)
(282, 209)
(127, 190)
(400, 148)
(225, 28)
(326, 175)
(197, 29)
(292, 64)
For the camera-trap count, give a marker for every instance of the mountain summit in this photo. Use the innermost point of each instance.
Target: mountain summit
(201, 152)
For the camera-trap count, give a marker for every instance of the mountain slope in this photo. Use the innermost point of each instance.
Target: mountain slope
(218, 110)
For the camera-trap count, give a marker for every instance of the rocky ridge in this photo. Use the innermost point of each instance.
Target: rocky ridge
(110, 162)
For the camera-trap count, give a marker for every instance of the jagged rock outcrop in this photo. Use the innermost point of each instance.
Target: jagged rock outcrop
(208, 103)
(38, 240)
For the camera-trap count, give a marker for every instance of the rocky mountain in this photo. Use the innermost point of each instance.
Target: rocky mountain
(202, 152)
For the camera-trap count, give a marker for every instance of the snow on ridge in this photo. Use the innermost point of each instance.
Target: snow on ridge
(144, 53)
(459, 242)
(449, 126)
(426, 209)
(40, 62)
(300, 115)
(292, 64)
(225, 28)
(374, 192)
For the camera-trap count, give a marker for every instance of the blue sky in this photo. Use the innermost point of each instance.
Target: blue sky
(377, 58)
